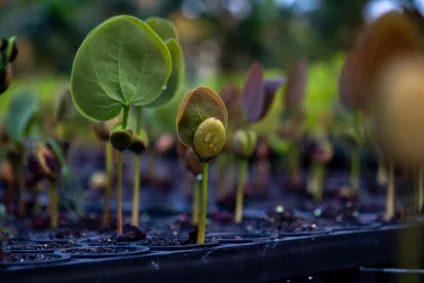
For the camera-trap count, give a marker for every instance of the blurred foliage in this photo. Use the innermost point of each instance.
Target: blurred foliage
(220, 39)
(50, 31)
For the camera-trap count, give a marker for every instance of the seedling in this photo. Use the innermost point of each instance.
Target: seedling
(388, 37)
(256, 99)
(321, 155)
(8, 54)
(201, 123)
(194, 166)
(21, 115)
(112, 71)
(398, 110)
(167, 32)
(102, 131)
(293, 118)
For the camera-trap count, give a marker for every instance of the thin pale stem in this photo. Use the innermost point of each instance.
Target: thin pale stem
(318, 181)
(54, 205)
(390, 199)
(109, 183)
(355, 169)
(136, 190)
(420, 188)
(294, 165)
(240, 191)
(382, 172)
(120, 173)
(119, 194)
(20, 188)
(196, 201)
(203, 206)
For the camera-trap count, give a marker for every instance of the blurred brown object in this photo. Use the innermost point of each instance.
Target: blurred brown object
(165, 143)
(389, 36)
(398, 109)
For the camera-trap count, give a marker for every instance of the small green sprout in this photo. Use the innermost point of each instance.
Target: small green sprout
(22, 112)
(201, 123)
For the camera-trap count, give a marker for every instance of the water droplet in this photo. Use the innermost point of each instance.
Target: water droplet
(215, 140)
(211, 145)
(310, 277)
(214, 149)
(165, 87)
(208, 137)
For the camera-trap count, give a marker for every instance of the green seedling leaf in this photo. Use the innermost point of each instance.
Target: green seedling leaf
(164, 28)
(389, 36)
(197, 106)
(122, 62)
(22, 110)
(177, 75)
(296, 86)
(253, 94)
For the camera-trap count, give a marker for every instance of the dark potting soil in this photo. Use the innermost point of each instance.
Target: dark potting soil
(100, 250)
(25, 257)
(40, 246)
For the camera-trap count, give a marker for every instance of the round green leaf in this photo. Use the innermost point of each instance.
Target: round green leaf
(177, 74)
(197, 106)
(164, 28)
(22, 110)
(121, 62)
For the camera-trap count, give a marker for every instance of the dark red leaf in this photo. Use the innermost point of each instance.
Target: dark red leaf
(296, 85)
(253, 94)
(271, 86)
(231, 97)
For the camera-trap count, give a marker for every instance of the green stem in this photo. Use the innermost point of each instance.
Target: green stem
(125, 117)
(21, 190)
(196, 201)
(54, 205)
(231, 168)
(120, 173)
(294, 165)
(119, 194)
(136, 189)
(355, 169)
(317, 183)
(240, 191)
(390, 199)
(381, 171)
(420, 188)
(203, 206)
(109, 183)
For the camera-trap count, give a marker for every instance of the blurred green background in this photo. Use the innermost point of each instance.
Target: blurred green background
(220, 38)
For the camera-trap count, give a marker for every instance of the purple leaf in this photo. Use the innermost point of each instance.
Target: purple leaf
(296, 85)
(231, 97)
(271, 86)
(253, 94)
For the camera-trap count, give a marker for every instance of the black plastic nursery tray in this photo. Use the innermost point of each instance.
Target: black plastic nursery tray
(272, 259)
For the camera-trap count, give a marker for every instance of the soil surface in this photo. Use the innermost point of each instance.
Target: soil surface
(40, 246)
(100, 250)
(25, 257)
